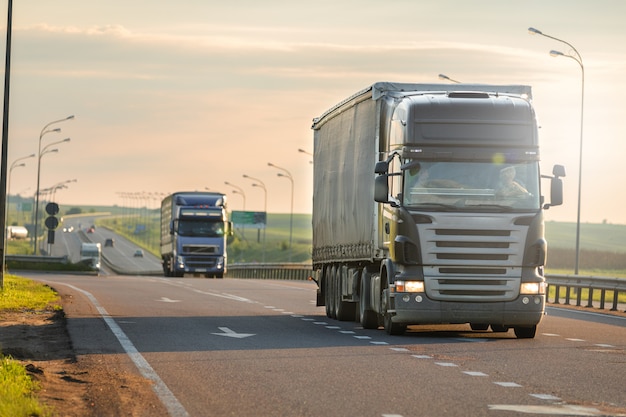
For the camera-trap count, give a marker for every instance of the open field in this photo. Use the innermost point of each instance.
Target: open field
(603, 246)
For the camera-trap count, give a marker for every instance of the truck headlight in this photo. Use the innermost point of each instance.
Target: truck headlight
(220, 263)
(180, 261)
(533, 288)
(409, 286)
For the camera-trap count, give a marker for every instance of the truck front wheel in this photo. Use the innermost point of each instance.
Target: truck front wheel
(526, 332)
(394, 329)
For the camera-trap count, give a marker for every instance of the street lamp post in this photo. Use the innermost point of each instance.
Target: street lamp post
(261, 185)
(579, 60)
(42, 152)
(239, 190)
(306, 153)
(287, 174)
(44, 131)
(15, 165)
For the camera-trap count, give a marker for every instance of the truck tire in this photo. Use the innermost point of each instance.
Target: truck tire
(367, 317)
(345, 310)
(393, 329)
(330, 292)
(525, 332)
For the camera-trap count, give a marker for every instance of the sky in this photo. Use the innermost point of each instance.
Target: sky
(187, 95)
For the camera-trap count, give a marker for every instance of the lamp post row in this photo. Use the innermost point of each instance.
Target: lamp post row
(45, 130)
(284, 173)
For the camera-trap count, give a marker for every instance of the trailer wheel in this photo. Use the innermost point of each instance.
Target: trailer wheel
(367, 317)
(326, 285)
(526, 332)
(330, 292)
(344, 309)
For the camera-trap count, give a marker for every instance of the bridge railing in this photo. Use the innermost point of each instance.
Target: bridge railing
(567, 288)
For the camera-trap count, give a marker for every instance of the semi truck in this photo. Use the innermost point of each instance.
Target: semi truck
(428, 208)
(91, 254)
(194, 231)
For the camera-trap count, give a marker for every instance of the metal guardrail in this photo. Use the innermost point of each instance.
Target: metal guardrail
(567, 287)
(575, 283)
(293, 271)
(37, 259)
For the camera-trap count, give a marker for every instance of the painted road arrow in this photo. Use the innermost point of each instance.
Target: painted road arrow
(230, 333)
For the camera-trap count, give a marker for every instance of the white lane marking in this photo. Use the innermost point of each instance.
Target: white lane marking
(547, 397)
(508, 384)
(167, 300)
(400, 349)
(551, 334)
(555, 410)
(473, 373)
(447, 364)
(322, 323)
(604, 345)
(378, 343)
(333, 327)
(574, 340)
(171, 403)
(422, 356)
(362, 337)
(346, 332)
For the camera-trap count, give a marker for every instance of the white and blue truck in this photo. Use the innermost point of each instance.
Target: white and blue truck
(194, 232)
(428, 208)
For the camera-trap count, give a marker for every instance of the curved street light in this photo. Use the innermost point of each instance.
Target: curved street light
(446, 78)
(579, 60)
(287, 174)
(261, 185)
(15, 165)
(239, 190)
(306, 153)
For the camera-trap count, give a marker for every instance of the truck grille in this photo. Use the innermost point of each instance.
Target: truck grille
(463, 262)
(200, 249)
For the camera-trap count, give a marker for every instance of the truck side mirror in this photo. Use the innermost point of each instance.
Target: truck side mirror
(556, 191)
(172, 227)
(558, 171)
(231, 229)
(381, 188)
(381, 167)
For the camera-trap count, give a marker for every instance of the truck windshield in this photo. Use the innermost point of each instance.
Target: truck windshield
(201, 228)
(471, 186)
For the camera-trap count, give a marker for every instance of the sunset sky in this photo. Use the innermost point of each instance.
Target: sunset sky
(189, 94)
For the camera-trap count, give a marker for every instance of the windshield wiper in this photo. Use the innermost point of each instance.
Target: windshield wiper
(434, 206)
(491, 206)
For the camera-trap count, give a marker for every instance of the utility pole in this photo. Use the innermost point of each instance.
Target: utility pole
(5, 146)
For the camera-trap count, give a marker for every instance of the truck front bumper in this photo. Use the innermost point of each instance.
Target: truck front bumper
(416, 308)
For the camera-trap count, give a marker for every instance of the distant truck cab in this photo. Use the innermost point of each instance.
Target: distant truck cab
(91, 253)
(194, 231)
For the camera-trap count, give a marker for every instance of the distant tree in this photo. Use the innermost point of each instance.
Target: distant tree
(74, 210)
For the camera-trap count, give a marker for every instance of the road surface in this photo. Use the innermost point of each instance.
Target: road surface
(262, 348)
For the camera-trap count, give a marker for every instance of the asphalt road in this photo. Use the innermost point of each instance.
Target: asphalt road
(121, 255)
(261, 348)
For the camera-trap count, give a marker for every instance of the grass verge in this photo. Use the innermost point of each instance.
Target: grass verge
(17, 389)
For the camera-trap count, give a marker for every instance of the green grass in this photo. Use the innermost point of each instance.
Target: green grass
(24, 294)
(17, 389)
